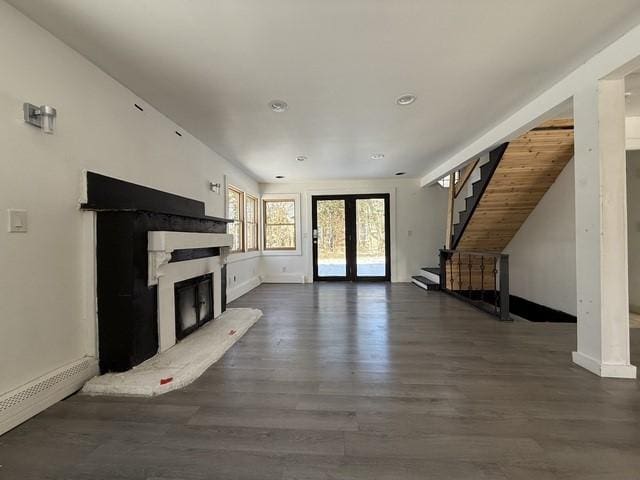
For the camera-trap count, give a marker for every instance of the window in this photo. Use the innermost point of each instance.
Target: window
(236, 213)
(251, 224)
(279, 225)
(445, 181)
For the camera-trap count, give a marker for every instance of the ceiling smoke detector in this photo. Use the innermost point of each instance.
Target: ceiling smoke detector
(377, 156)
(301, 158)
(278, 106)
(406, 99)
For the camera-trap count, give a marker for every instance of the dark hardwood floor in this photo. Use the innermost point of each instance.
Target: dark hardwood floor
(356, 381)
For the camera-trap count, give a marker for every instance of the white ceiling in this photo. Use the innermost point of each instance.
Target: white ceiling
(213, 66)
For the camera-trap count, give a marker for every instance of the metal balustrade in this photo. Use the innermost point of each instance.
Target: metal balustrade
(480, 278)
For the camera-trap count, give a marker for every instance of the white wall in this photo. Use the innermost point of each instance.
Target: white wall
(417, 223)
(542, 254)
(633, 223)
(46, 275)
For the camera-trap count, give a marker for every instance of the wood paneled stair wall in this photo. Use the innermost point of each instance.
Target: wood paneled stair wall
(528, 167)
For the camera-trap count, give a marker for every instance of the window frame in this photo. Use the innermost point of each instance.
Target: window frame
(295, 224)
(241, 214)
(252, 227)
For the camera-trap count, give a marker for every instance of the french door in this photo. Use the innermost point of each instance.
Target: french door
(351, 237)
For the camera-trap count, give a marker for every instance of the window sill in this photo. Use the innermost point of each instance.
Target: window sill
(292, 253)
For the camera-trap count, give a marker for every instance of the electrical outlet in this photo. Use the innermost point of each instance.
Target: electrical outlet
(234, 279)
(284, 269)
(17, 220)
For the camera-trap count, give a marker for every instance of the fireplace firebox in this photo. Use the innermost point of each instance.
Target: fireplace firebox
(194, 304)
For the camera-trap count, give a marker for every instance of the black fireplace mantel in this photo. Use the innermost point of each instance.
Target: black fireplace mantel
(127, 305)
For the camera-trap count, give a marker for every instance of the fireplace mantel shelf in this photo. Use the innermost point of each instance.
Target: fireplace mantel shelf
(169, 241)
(162, 243)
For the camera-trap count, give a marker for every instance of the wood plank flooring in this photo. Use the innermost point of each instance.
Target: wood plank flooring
(356, 381)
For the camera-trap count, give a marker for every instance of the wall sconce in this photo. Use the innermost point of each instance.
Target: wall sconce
(43, 117)
(215, 187)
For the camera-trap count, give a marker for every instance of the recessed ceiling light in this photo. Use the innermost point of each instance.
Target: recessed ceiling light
(627, 94)
(279, 176)
(301, 158)
(400, 173)
(377, 156)
(406, 99)
(278, 106)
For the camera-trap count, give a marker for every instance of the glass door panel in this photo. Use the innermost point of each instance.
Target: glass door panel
(371, 245)
(351, 237)
(331, 238)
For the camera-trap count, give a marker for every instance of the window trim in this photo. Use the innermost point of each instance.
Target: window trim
(295, 197)
(241, 220)
(255, 223)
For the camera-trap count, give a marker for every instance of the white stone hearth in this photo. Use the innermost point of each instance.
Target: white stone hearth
(181, 364)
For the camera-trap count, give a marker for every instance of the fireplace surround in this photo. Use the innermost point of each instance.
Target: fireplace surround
(199, 254)
(146, 241)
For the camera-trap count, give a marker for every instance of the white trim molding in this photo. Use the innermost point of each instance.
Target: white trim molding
(603, 369)
(30, 399)
(242, 288)
(284, 278)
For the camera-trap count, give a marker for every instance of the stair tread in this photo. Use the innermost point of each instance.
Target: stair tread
(424, 280)
(434, 270)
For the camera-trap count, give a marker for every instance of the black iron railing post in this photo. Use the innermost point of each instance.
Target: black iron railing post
(443, 269)
(482, 278)
(504, 288)
(495, 285)
(470, 280)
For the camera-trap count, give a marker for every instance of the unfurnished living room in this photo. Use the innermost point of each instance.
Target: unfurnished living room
(319, 239)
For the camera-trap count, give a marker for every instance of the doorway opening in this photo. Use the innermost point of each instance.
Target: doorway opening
(351, 237)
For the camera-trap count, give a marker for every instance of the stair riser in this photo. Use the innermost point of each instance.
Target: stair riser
(424, 287)
(431, 276)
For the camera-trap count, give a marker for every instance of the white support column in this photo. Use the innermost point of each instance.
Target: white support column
(601, 230)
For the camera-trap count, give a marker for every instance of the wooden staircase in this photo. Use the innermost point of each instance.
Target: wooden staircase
(511, 185)
(512, 182)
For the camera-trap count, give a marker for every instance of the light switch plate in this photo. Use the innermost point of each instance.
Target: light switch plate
(17, 220)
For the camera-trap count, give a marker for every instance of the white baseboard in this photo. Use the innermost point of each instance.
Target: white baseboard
(603, 369)
(242, 288)
(284, 278)
(28, 400)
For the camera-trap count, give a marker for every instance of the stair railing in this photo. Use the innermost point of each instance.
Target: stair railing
(479, 278)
